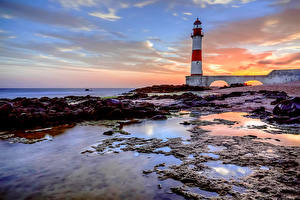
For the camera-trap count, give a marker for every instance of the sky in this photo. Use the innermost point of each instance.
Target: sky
(135, 43)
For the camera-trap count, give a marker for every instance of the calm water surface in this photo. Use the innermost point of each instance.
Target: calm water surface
(57, 169)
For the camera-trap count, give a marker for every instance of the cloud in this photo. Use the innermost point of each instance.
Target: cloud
(110, 16)
(98, 53)
(284, 60)
(204, 3)
(76, 4)
(268, 30)
(155, 39)
(253, 46)
(43, 16)
(187, 13)
(144, 3)
(6, 16)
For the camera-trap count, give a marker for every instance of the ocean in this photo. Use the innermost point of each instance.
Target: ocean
(59, 92)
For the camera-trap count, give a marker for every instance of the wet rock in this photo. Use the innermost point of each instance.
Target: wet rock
(275, 94)
(169, 88)
(110, 132)
(288, 108)
(147, 171)
(159, 117)
(5, 108)
(211, 97)
(277, 101)
(21, 113)
(185, 123)
(260, 113)
(287, 112)
(138, 95)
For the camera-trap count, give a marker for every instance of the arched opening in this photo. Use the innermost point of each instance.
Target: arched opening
(253, 83)
(218, 83)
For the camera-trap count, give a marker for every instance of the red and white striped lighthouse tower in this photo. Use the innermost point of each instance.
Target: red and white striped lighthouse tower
(196, 68)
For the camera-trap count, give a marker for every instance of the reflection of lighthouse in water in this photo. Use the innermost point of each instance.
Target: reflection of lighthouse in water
(196, 68)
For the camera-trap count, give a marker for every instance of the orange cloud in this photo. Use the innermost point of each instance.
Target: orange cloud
(232, 47)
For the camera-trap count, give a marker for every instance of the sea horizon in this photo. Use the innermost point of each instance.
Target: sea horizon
(11, 93)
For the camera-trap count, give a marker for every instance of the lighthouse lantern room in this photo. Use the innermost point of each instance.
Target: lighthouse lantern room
(196, 68)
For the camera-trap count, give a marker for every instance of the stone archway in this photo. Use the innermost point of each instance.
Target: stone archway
(218, 83)
(253, 82)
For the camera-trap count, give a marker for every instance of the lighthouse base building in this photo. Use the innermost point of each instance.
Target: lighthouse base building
(197, 79)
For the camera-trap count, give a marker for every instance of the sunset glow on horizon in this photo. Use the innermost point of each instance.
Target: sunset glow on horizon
(134, 43)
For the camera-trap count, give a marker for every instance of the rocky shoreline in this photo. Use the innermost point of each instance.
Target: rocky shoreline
(262, 170)
(25, 113)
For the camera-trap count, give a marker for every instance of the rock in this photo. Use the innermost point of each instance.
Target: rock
(237, 85)
(159, 117)
(185, 123)
(276, 94)
(288, 108)
(259, 110)
(277, 101)
(169, 88)
(138, 95)
(234, 94)
(287, 112)
(211, 97)
(44, 99)
(5, 109)
(261, 113)
(147, 171)
(113, 102)
(110, 132)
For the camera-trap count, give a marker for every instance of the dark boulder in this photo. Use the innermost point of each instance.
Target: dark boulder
(289, 108)
(5, 109)
(108, 132)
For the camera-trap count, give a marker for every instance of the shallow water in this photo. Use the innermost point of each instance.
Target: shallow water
(227, 171)
(163, 129)
(210, 155)
(56, 167)
(243, 128)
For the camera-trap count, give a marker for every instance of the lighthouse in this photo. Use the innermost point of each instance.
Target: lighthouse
(196, 68)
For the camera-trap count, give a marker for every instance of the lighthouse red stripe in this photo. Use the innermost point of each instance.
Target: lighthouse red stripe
(197, 55)
(197, 31)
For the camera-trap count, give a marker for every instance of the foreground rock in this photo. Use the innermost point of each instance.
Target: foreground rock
(287, 111)
(23, 113)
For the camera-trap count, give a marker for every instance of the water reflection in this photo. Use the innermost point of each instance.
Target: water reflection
(164, 149)
(246, 126)
(160, 129)
(227, 171)
(210, 155)
(57, 169)
(215, 148)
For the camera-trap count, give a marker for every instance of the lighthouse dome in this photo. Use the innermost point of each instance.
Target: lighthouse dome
(197, 22)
